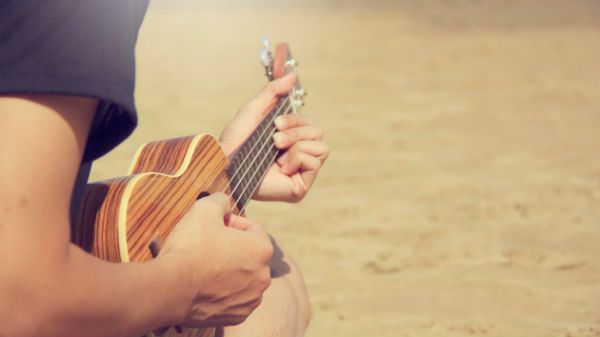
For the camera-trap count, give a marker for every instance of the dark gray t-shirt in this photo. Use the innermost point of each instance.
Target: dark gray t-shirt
(75, 47)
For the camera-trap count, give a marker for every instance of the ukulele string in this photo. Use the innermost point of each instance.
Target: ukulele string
(261, 179)
(247, 169)
(273, 155)
(261, 135)
(246, 173)
(277, 113)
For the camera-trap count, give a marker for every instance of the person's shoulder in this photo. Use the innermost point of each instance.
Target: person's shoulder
(74, 47)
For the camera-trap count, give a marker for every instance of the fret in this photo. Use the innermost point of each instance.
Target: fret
(253, 137)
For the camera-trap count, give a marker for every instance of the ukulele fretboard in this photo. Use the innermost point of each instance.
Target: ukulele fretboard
(251, 161)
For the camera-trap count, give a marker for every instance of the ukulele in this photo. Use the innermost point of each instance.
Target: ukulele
(125, 219)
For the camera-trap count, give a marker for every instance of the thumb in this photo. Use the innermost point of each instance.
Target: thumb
(217, 204)
(267, 95)
(282, 85)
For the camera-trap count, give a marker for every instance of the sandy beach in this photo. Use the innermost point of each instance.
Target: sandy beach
(462, 194)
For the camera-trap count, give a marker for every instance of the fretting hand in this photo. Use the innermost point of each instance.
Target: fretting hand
(294, 172)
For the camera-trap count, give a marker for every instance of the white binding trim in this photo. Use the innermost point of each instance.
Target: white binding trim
(122, 218)
(138, 152)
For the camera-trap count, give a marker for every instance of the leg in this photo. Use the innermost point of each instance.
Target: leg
(285, 309)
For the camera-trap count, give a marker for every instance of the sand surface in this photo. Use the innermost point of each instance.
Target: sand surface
(462, 196)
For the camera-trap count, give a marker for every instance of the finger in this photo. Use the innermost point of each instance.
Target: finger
(264, 244)
(291, 121)
(282, 85)
(271, 91)
(218, 203)
(301, 161)
(245, 224)
(238, 222)
(285, 139)
(315, 148)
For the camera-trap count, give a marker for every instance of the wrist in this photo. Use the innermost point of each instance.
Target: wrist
(175, 270)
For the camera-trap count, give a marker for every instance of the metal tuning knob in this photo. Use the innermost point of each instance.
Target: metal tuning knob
(298, 102)
(291, 64)
(297, 98)
(266, 58)
(300, 92)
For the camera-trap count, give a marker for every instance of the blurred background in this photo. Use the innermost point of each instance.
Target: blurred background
(462, 195)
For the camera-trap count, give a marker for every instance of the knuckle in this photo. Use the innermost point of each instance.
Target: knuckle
(316, 161)
(237, 320)
(297, 195)
(324, 153)
(306, 158)
(266, 279)
(258, 302)
(295, 150)
(267, 250)
(244, 310)
(317, 164)
(248, 309)
(326, 148)
(319, 132)
(292, 134)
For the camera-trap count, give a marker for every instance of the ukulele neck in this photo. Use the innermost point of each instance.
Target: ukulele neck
(250, 163)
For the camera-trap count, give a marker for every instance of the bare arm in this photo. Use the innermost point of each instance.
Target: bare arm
(50, 287)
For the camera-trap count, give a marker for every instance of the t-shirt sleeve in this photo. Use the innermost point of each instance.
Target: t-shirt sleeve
(75, 47)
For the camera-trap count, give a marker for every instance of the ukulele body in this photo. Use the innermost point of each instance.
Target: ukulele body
(120, 217)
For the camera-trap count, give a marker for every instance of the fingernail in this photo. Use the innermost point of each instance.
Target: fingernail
(279, 122)
(279, 138)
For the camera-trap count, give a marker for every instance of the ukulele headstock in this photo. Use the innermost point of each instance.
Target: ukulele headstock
(278, 65)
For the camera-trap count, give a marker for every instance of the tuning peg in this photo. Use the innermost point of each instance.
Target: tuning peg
(298, 102)
(301, 92)
(292, 63)
(265, 42)
(266, 58)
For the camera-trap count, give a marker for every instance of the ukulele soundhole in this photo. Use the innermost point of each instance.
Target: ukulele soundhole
(202, 195)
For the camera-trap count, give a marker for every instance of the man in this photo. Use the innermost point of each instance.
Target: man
(66, 98)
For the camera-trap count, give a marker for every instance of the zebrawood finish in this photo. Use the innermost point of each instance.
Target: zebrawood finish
(167, 177)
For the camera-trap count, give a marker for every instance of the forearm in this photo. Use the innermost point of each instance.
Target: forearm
(49, 287)
(90, 297)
